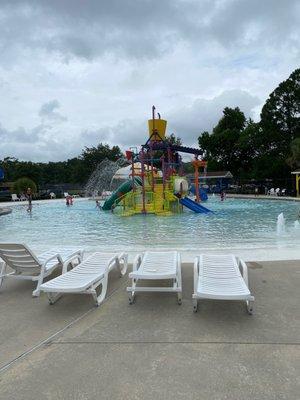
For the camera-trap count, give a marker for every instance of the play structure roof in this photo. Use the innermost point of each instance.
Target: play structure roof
(214, 175)
(124, 172)
(165, 145)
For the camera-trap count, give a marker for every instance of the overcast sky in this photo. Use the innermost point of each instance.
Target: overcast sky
(74, 73)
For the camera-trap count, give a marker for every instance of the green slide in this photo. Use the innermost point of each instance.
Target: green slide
(117, 194)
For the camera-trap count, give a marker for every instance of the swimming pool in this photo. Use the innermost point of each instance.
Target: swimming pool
(237, 224)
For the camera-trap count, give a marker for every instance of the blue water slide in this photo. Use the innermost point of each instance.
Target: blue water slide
(202, 192)
(192, 205)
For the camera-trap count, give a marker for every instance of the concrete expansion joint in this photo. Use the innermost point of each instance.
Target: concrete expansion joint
(68, 342)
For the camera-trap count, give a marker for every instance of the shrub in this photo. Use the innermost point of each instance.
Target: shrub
(22, 184)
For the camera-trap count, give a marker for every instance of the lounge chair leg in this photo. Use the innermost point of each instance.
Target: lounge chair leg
(195, 305)
(179, 298)
(132, 293)
(53, 297)
(2, 273)
(99, 298)
(131, 298)
(36, 293)
(122, 264)
(249, 305)
(95, 297)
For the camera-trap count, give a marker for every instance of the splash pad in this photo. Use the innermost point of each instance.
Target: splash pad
(157, 183)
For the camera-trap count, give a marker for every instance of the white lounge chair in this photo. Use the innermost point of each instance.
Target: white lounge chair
(14, 197)
(27, 266)
(86, 277)
(218, 277)
(271, 192)
(156, 265)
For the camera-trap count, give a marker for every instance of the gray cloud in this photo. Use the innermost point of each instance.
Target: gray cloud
(37, 144)
(108, 61)
(40, 143)
(186, 122)
(203, 114)
(48, 111)
(75, 28)
(19, 135)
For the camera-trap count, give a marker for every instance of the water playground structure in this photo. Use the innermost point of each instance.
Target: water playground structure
(157, 184)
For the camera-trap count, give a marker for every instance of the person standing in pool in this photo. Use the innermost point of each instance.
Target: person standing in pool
(222, 195)
(29, 198)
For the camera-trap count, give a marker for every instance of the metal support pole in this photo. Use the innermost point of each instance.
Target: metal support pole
(143, 181)
(197, 183)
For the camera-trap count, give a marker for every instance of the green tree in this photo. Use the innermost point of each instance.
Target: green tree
(22, 184)
(222, 146)
(174, 139)
(294, 160)
(92, 156)
(280, 116)
(75, 170)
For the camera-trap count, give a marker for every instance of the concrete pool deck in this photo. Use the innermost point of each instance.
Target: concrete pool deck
(153, 349)
(5, 210)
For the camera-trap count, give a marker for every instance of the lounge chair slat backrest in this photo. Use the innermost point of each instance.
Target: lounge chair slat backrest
(221, 277)
(223, 270)
(19, 257)
(223, 266)
(95, 264)
(161, 261)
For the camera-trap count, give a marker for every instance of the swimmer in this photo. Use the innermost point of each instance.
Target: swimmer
(29, 198)
(69, 200)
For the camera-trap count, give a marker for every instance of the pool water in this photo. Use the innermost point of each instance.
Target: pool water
(236, 224)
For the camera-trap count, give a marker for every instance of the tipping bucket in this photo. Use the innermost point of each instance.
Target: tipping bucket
(158, 127)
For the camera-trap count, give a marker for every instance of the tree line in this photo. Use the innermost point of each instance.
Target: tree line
(75, 170)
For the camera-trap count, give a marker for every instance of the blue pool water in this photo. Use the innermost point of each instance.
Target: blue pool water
(236, 224)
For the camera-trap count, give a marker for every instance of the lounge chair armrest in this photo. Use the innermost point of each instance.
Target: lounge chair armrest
(244, 270)
(43, 272)
(196, 273)
(137, 262)
(57, 256)
(77, 256)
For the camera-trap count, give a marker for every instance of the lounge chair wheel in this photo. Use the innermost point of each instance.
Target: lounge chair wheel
(195, 305)
(249, 307)
(179, 299)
